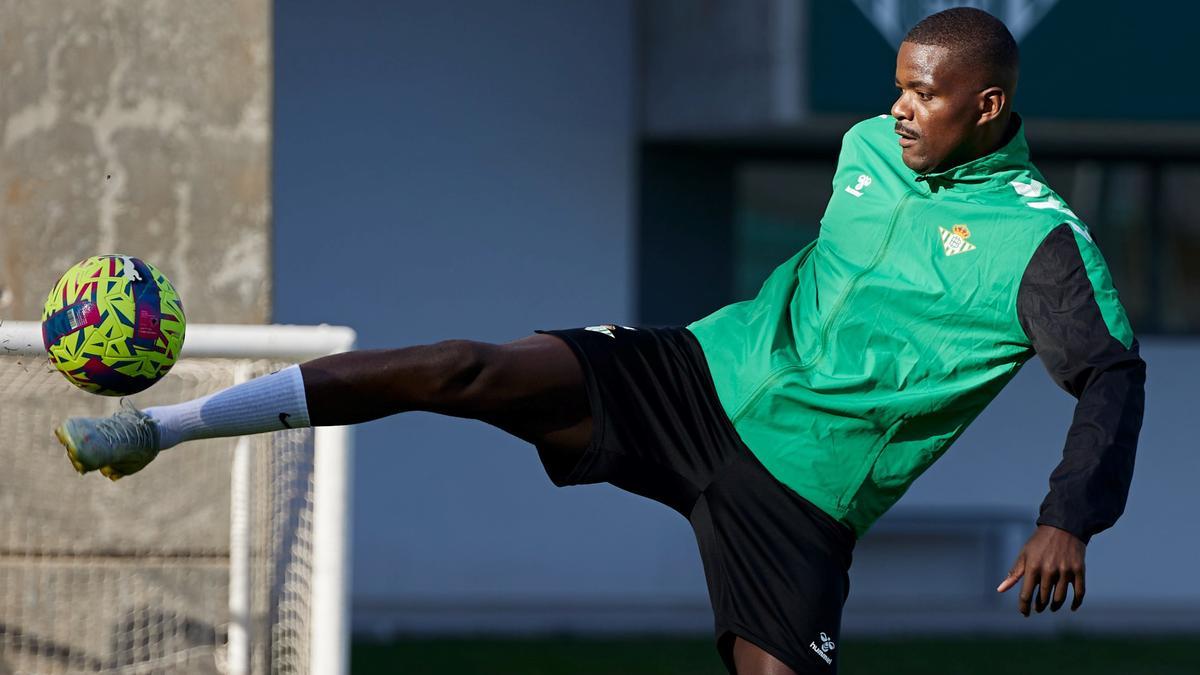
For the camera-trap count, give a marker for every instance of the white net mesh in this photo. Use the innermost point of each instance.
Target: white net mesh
(133, 576)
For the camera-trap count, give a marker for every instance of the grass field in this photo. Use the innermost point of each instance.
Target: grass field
(672, 656)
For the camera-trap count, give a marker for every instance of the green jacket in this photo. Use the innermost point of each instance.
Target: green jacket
(869, 352)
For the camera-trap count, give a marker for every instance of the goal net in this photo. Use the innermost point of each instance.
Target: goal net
(222, 556)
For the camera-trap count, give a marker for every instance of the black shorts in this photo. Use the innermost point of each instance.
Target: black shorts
(776, 565)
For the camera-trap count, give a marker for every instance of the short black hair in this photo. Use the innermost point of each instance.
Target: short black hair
(976, 37)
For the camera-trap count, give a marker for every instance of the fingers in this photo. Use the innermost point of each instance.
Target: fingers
(111, 473)
(1014, 575)
(1008, 582)
(1060, 593)
(1051, 561)
(1079, 590)
(1049, 578)
(1044, 588)
(1027, 590)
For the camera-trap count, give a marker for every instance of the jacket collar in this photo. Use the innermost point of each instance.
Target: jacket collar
(995, 169)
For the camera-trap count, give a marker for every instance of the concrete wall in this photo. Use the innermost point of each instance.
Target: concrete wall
(136, 127)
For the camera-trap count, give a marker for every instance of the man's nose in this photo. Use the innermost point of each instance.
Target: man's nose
(901, 109)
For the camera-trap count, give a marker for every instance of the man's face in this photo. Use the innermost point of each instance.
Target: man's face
(938, 109)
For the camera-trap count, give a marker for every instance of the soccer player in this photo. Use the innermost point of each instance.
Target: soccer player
(782, 427)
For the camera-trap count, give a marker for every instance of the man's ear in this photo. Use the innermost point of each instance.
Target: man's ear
(991, 103)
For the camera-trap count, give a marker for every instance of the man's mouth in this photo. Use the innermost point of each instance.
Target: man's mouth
(905, 133)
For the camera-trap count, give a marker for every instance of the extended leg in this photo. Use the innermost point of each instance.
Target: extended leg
(532, 388)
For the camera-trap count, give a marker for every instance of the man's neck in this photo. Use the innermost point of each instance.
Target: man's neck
(1008, 129)
(994, 137)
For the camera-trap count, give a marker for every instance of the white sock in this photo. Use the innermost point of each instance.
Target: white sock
(269, 403)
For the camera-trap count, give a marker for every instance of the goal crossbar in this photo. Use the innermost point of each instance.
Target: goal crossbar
(24, 338)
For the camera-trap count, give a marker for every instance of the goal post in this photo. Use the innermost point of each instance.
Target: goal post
(223, 556)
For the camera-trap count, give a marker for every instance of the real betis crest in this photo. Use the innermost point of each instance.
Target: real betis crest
(954, 241)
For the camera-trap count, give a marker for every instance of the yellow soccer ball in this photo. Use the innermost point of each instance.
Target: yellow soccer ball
(113, 325)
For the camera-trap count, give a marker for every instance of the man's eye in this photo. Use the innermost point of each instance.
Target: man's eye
(924, 96)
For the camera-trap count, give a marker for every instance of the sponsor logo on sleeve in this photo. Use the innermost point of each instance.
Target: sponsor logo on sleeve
(864, 181)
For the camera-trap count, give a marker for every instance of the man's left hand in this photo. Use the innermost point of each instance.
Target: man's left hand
(1051, 560)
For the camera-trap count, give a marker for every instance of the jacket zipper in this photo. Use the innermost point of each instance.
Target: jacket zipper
(869, 462)
(829, 320)
(852, 286)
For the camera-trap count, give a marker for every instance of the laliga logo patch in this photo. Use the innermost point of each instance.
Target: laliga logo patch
(954, 241)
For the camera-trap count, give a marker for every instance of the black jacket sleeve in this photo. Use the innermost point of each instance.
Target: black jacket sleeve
(1058, 308)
